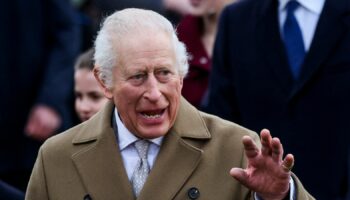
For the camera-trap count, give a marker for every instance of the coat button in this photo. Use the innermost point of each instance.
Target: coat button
(193, 193)
(87, 197)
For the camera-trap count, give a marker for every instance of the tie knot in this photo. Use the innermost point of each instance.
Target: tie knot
(292, 6)
(142, 148)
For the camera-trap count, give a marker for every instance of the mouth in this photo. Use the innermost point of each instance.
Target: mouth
(153, 114)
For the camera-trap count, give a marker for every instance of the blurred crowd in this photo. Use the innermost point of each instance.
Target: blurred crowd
(240, 70)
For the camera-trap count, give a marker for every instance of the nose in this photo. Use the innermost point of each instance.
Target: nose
(84, 105)
(152, 89)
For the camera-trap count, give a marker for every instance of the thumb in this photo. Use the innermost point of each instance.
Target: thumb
(240, 175)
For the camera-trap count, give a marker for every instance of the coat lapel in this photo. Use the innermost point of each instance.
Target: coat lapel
(102, 171)
(327, 34)
(100, 164)
(175, 164)
(270, 44)
(177, 158)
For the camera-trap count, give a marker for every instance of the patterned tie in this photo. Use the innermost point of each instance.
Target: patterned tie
(142, 169)
(293, 40)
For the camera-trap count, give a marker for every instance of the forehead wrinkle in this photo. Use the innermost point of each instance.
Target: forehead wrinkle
(139, 53)
(154, 59)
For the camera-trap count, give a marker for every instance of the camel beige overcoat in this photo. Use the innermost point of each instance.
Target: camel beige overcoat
(196, 156)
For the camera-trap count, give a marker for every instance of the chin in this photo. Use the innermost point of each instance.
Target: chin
(151, 134)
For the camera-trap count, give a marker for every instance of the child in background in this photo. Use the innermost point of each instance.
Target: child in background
(89, 97)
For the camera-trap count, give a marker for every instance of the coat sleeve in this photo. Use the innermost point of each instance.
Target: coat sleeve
(63, 47)
(300, 191)
(37, 187)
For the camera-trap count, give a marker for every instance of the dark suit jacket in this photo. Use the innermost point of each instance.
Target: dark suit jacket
(251, 85)
(197, 152)
(7, 192)
(39, 41)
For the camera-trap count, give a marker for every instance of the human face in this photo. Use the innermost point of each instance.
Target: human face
(147, 86)
(89, 97)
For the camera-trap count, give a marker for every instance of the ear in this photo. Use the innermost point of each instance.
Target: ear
(181, 81)
(106, 90)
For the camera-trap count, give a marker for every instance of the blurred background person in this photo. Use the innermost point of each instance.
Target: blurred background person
(175, 10)
(285, 65)
(89, 97)
(92, 13)
(38, 48)
(198, 31)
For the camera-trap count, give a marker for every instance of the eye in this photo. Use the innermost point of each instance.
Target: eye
(163, 74)
(78, 95)
(137, 76)
(137, 79)
(95, 96)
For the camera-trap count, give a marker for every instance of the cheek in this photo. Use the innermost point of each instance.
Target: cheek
(77, 105)
(100, 104)
(176, 87)
(175, 94)
(128, 95)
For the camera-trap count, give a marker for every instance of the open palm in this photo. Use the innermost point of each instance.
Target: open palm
(266, 173)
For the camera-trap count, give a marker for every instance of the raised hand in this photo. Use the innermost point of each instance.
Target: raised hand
(267, 173)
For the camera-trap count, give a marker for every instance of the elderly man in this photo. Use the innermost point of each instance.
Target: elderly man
(149, 143)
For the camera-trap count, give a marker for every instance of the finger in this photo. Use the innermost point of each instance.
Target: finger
(265, 142)
(251, 150)
(240, 175)
(277, 150)
(288, 163)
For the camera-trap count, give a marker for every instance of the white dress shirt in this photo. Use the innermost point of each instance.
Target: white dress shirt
(307, 15)
(128, 150)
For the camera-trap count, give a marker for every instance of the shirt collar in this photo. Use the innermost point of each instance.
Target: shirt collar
(315, 6)
(125, 137)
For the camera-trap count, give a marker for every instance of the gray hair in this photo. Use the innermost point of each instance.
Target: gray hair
(119, 25)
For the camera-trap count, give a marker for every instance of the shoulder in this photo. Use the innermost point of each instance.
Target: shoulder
(193, 123)
(225, 129)
(60, 143)
(243, 9)
(81, 135)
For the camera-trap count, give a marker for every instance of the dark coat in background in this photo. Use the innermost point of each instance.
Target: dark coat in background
(39, 42)
(8, 192)
(251, 85)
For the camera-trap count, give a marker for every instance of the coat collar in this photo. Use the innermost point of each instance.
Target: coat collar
(101, 168)
(97, 163)
(189, 123)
